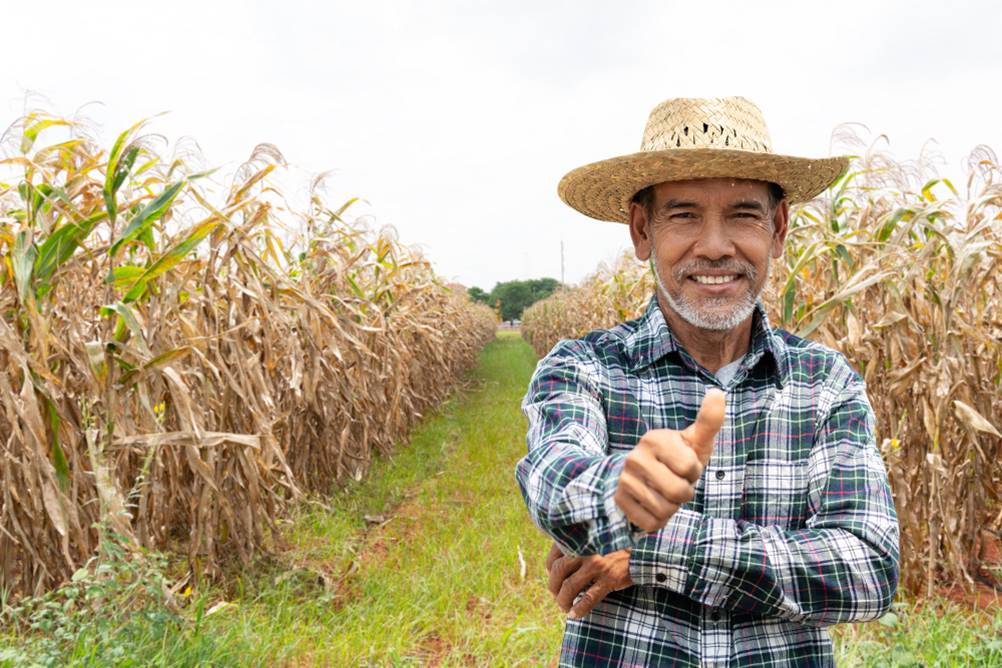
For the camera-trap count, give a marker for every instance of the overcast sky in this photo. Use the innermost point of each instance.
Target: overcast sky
(455, 120)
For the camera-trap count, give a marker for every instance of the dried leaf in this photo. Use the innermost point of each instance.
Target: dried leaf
(974, 420)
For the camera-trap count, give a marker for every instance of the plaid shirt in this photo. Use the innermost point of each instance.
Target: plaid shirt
(792, 527)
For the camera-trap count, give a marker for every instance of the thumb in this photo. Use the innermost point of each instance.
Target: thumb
(701, 433)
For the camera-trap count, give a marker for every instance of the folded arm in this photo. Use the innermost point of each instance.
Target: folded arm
(842, 566)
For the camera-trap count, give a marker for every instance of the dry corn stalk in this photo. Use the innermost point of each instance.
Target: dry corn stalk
(177, 362)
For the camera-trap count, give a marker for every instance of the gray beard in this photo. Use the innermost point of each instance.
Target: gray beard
(691, 312)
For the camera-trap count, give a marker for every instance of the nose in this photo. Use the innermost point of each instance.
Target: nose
(714, 243)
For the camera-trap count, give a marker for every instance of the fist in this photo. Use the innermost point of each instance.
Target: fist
(661, 472)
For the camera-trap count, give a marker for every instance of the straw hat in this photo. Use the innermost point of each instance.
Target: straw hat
(693, 138)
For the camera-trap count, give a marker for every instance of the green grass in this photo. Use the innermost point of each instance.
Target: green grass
(939, 634)
(433, 577)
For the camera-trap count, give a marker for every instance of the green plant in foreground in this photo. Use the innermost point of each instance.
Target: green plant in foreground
(117, 610)
(931, 633)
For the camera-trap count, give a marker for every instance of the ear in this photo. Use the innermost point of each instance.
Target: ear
(780, 226)
(638, 231)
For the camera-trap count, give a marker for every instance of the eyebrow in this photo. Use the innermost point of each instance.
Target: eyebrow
(679, 204)
(749, 204)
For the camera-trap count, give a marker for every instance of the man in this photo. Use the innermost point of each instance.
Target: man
(712, 484)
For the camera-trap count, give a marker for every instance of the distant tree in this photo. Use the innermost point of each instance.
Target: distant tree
(478, 295)
(516, 296)
(542, 288)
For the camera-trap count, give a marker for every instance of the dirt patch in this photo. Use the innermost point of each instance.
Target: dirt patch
(982, 597)
(479, 607)
(989, 550)
(433, 649)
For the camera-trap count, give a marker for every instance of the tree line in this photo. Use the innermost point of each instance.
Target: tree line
(515, 296)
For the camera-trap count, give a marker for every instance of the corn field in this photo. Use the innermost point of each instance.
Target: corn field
(180, 357)
(901, 270)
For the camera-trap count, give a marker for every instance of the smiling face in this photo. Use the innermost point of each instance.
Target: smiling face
(710, 242)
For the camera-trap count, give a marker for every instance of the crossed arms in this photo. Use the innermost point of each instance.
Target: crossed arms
(841, 566)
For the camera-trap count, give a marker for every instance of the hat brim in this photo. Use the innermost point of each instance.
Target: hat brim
(603, 189)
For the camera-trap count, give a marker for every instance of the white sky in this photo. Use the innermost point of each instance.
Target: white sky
(455, 120)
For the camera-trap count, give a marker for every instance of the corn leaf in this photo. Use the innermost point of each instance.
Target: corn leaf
(59, 462)
(974, 420)
(32, 131)
(120, 161)
(127, 319)
(23, 260)
(151, 213)
(169, 259)
(62, 243)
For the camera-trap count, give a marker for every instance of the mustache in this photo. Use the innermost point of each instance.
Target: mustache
(732, 266)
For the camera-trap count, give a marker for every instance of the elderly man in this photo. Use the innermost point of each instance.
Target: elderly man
(712, 484)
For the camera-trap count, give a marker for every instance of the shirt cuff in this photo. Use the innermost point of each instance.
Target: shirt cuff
(615, 531)
(664, 558)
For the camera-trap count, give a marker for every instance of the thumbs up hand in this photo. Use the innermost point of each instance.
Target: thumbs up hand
(661, 472)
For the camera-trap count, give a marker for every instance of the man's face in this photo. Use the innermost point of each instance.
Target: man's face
(710, 242)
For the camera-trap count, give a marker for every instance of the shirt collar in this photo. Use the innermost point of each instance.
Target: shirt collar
(652, 339)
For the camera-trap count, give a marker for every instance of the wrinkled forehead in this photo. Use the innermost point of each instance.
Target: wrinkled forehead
(713, 189)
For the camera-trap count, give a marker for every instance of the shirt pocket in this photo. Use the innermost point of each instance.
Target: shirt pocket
(776, 478)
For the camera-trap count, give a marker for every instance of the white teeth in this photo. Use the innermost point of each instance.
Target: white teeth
(712, 280)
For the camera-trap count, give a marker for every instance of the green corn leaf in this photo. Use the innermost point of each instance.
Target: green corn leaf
(23, 260)
(152, 212)
(146, 238)
(160, 360)
(820, 314)
(124, 275)
(169, 259)
(354, 287)
(115, 180)
(927, 190)
(32, 131)
(120, 161)
(62, 243)
(58, 456)
(843, 253)
(118, 148)
(789, 297)
(127, 320)
(37, 199)
(887, 229)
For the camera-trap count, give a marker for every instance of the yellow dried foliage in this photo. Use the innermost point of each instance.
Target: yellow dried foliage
(179, 358)
(902, 272)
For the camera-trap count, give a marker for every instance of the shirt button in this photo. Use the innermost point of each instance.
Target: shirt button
(720, 474)
(660, 577)
(715, 616)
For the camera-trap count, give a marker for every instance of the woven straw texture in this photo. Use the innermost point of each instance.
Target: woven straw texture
(696, 138)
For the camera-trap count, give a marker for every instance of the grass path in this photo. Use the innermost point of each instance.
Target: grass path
(434, 575)
(432, 560)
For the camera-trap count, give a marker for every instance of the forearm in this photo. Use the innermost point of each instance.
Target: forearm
(819, 575)
(568, 477)
(569, 496)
